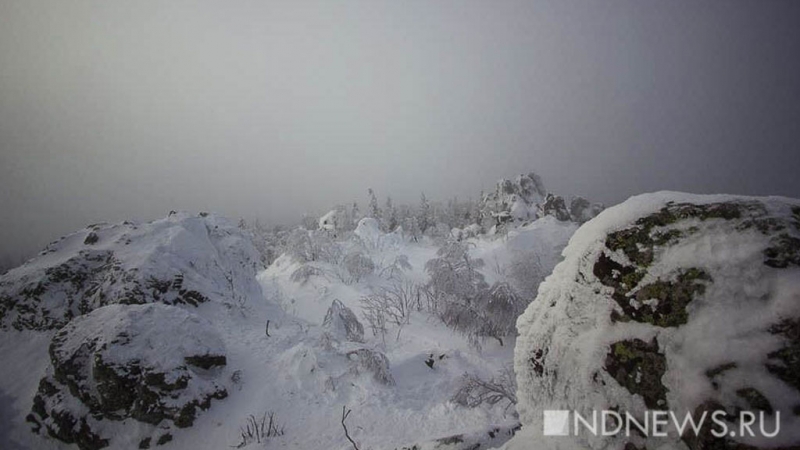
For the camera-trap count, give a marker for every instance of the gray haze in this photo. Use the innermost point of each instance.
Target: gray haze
(116, 110)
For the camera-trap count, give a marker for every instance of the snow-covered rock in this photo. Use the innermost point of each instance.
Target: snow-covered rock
(369, 231)
(371, 361)
(519, 199)
(669, 301)
(155, 364)
(181, 259)
(330, 221)
(526, 199)
(341, 323)
(554, 206)
(581, 210)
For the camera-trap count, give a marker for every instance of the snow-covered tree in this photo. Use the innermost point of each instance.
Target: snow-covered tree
(374, 209)
(355, 215)
(391, 215)
(424, 214)
(411, 227)
(358, 266)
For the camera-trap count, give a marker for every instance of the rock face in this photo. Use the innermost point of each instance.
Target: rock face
(343, 333)
(673, 302)
(372, 361)
(526, 199)
(554, 206)
(581, 211)
(181, 259)
(516, 200)
(342, 324)
(155, 364)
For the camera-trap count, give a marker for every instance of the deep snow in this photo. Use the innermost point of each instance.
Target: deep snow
(294, 371)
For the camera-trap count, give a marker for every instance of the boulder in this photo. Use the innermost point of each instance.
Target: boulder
(669, 302)
(155, 364)
(341, 323)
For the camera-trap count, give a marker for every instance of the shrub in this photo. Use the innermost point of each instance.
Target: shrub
(474, 391)
(259, 430)
(358, 266)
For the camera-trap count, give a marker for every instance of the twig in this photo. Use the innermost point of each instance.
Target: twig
(346, 412)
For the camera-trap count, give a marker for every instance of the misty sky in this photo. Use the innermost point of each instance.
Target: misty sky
(112, 110)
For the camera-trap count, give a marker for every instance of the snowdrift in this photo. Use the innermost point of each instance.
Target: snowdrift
(669, 301)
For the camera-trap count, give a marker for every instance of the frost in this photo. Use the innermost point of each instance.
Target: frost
(667, 301)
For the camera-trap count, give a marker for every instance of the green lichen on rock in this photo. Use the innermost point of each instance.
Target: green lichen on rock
(705, 440)
(638, 367)
(784, 250)
(785, 362)
(672, 298)
(638, 242)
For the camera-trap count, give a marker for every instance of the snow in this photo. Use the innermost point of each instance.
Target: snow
(295, 371)
(570, 323)
(205, 253)
(154, 328)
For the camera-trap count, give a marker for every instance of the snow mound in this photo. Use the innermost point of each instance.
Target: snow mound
(154, 364)
(675, 302)
(181, 259)
(369, 230)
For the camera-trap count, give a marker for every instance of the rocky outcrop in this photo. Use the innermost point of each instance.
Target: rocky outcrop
(554, 206)
(156, 364)
(371, 361)
(179, 260)
(341, 323)
(671, 302)
(581, 210)
(526, 199)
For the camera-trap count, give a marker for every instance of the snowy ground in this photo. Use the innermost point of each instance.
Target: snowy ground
(306, 383)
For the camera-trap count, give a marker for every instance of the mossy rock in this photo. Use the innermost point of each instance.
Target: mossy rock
(785, 362)
(638, 367)
(670, 302)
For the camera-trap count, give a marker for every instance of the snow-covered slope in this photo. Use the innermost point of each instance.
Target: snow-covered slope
(669, 301)
(90, 328)
(181, 259)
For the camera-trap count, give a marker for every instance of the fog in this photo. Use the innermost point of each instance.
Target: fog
(118, 110)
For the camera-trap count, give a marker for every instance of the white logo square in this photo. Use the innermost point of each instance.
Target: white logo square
(556, 423)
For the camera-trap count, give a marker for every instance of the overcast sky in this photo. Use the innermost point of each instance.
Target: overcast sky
(112, 110)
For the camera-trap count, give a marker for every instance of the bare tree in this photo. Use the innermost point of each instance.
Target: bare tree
(474, 391)
(392, 304)
(395, 269)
